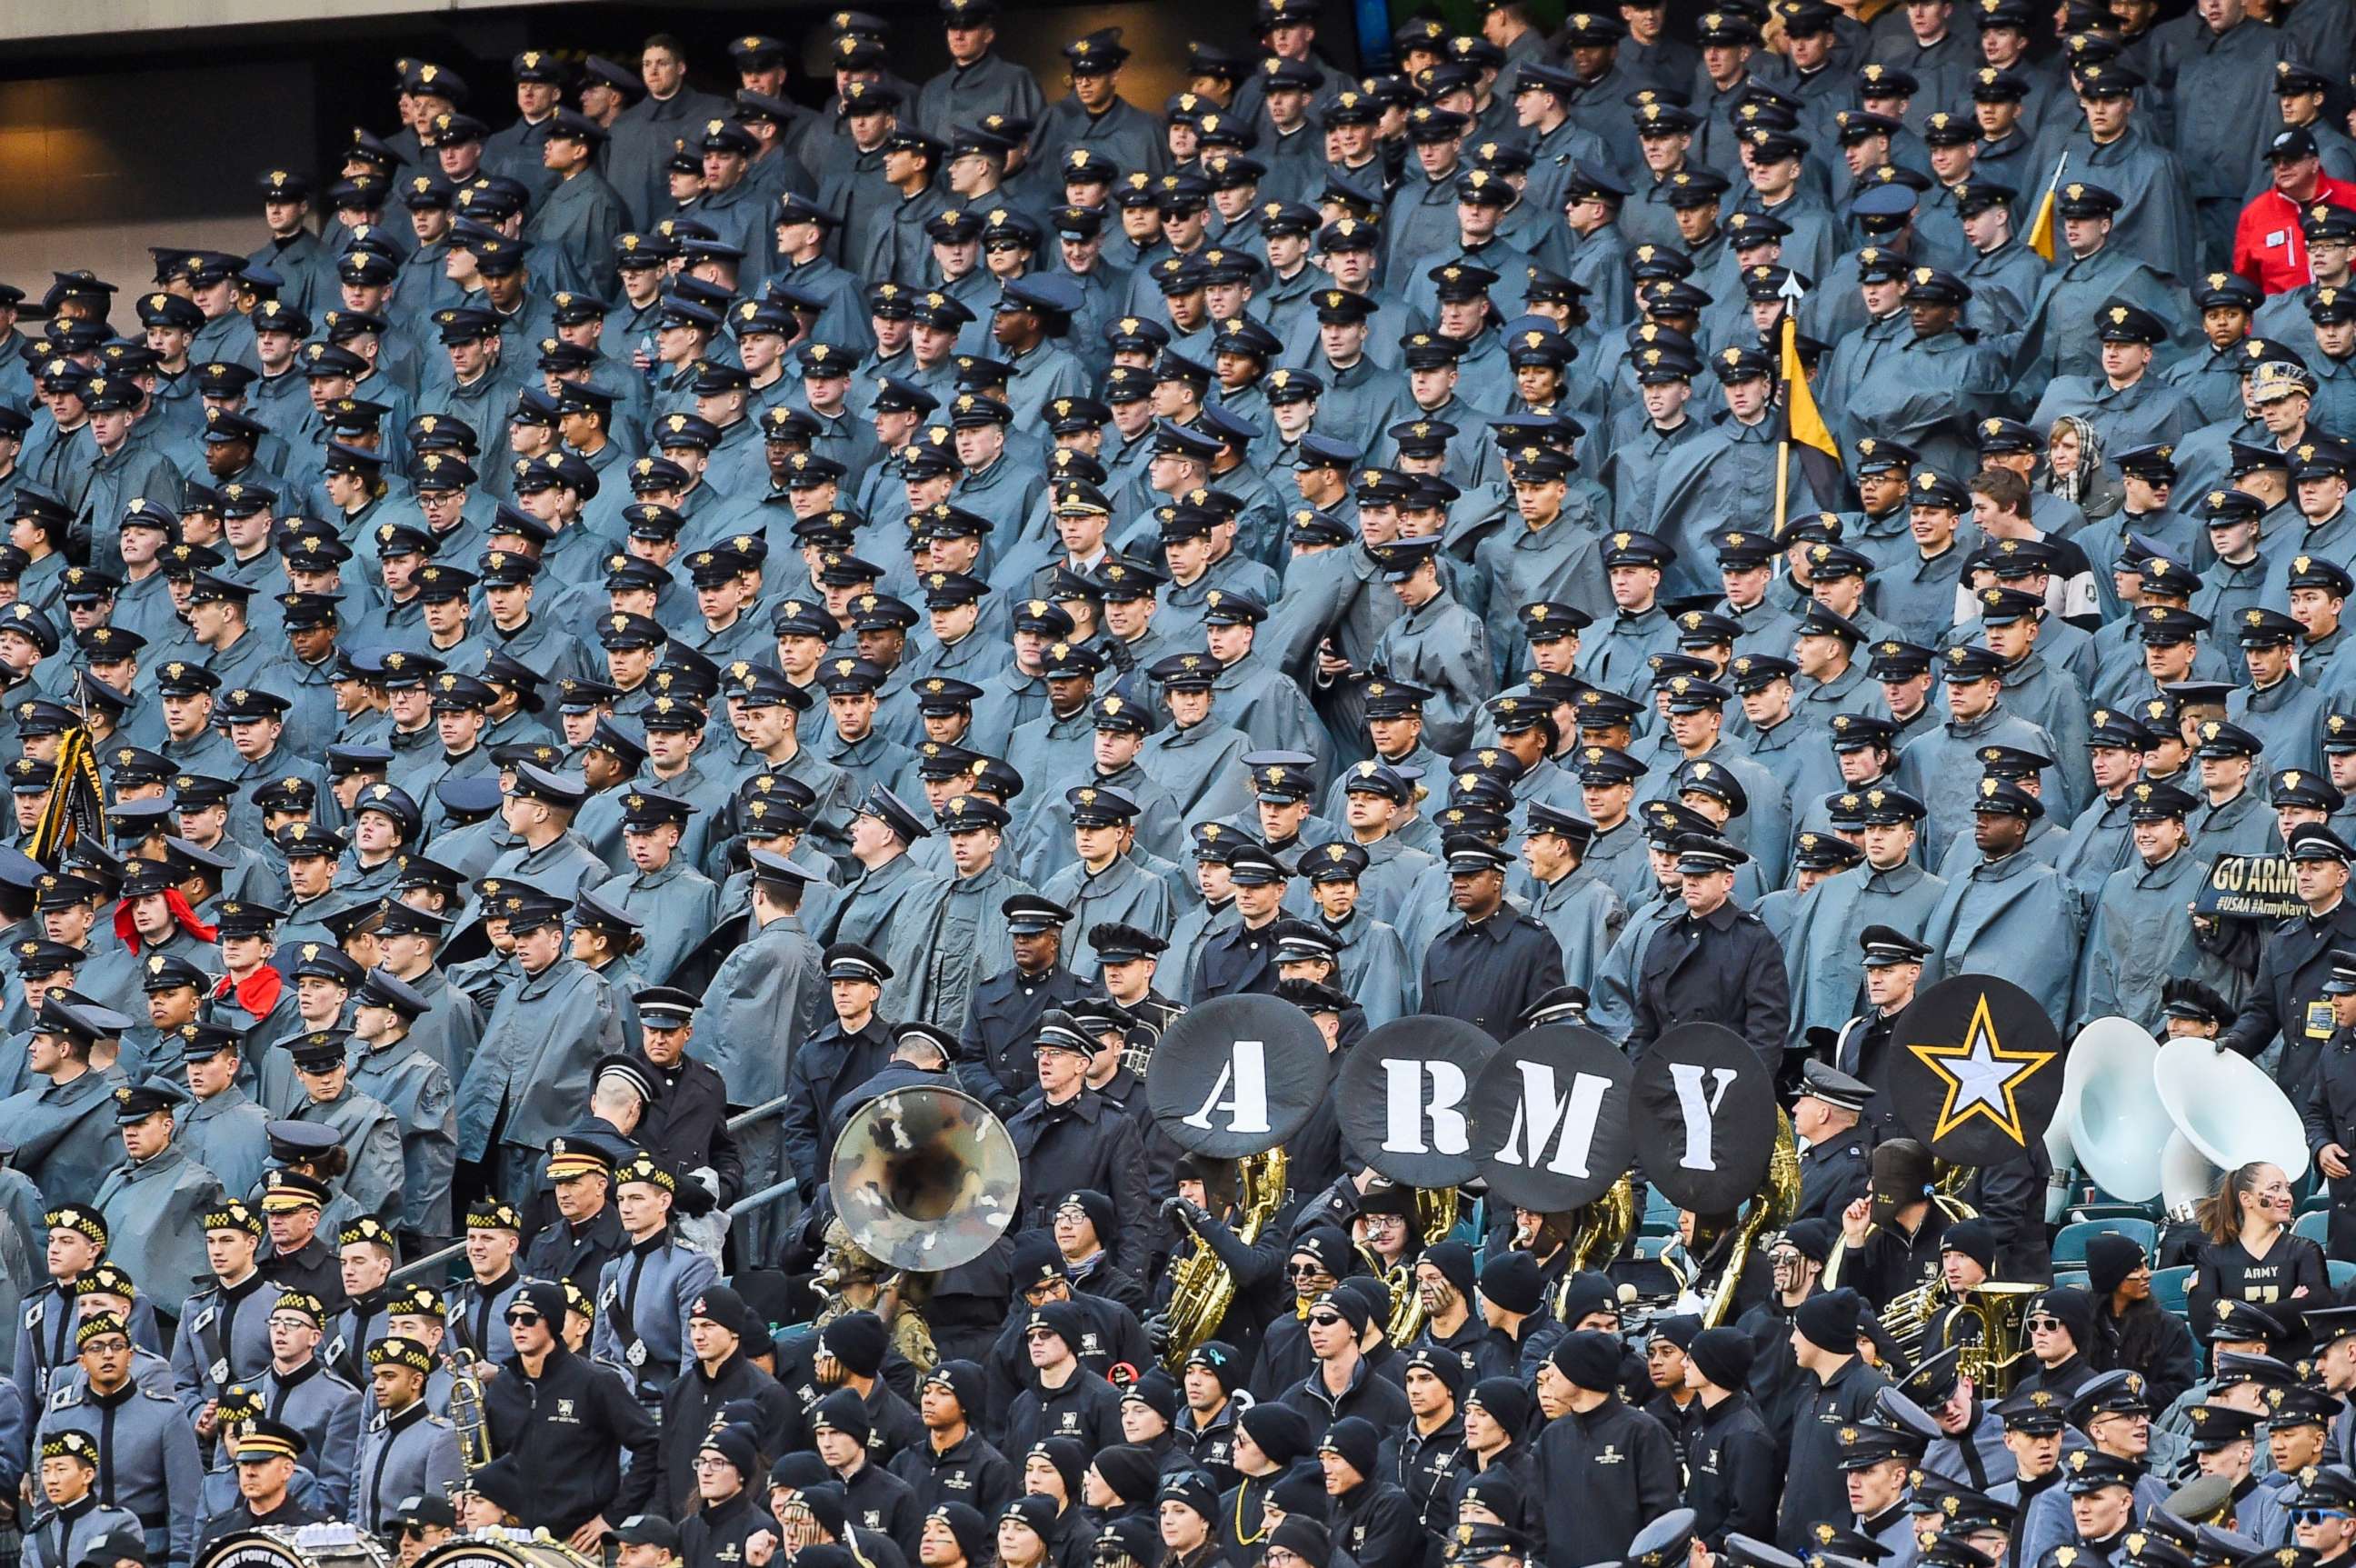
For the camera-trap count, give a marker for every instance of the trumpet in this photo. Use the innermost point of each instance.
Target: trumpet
(1907, 1319)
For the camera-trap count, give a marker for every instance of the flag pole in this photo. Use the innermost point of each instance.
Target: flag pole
(77, 767)
(1782, 482)
(1787, 353)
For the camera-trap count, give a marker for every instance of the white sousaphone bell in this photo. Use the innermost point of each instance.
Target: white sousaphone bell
(2148, 1121)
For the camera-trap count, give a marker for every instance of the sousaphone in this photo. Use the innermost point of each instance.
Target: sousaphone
(2111, 1119)
(2228, 1111)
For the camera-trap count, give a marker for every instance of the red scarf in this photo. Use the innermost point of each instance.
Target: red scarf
(258, 993)
(181, 913)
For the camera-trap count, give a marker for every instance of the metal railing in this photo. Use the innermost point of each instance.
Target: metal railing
(752, 1202)
(766, 1111)
(776, 1191)
(417, 1268)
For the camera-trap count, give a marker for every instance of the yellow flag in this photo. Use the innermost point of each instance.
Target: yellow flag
(2040, 233)
(1804, 435)
(75, 809)
(1802, 423)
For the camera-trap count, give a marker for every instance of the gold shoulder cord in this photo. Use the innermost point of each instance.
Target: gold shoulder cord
(1242, 1497)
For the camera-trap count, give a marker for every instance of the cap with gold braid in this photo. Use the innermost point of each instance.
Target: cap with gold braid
(284, 1192)
(490, 1214)
(393, 1350)
(85, 1222)
(97, 1325)
(234, 1214)
(264, 1440)
(569, 1158)
(644, 1167)
(77, 1446)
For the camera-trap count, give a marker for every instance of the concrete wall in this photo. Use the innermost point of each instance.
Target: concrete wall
(31, 20)
(93, 169)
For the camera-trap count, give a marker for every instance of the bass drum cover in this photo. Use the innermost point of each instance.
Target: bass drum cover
(504, 1549)
(306, 1546)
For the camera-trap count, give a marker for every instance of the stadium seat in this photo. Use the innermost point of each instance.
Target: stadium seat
(2315, 1225)
(2070, 1246)
(2103, 1207)
(2168, 1287)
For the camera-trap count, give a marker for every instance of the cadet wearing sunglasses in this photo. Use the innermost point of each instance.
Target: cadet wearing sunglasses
(568, 1422)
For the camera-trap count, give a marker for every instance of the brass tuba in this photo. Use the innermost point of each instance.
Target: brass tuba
(896, 1295)
(1201, 1287)
(1603, 1227)
(467, 1412)
(1772, 1207)
(1435, 1217)
(1195, 1088)
(1994, 1358)
(2226, 1111)
(1907, 1318)
(922, 1179)
(1598, 1231)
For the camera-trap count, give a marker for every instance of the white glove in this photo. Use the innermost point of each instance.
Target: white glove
(709, 1178)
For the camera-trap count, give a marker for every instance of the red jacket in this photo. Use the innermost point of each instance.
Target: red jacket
(2268, 248)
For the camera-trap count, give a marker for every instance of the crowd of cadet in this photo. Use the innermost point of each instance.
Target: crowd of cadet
(668, 602)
